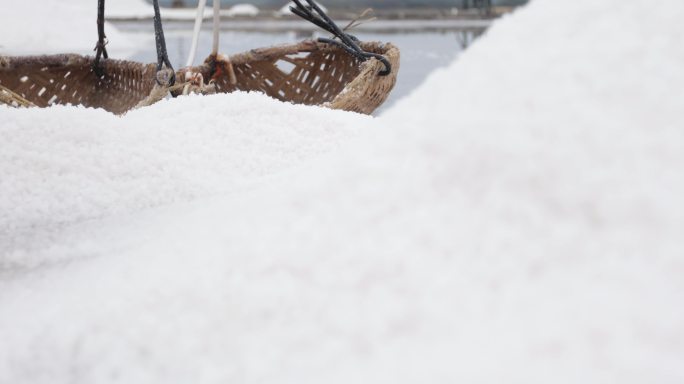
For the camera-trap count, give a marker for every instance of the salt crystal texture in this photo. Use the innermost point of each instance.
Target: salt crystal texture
(518, 219)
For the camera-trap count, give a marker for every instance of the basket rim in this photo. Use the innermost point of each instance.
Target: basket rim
(9, 62)
(308, 45)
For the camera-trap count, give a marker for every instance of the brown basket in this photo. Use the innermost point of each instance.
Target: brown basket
(319, 74)
(308, 72)
(70, 79)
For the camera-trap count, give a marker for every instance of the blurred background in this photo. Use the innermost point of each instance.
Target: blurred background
(430, 33)
(265, 4)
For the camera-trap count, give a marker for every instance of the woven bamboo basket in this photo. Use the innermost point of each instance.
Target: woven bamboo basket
(308, 72)
(69, 79)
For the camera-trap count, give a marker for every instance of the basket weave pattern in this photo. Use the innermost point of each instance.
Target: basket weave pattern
(70, 79)
(309, 73)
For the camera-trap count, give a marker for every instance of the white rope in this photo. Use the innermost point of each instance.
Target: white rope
(196, 32)
(217, 26)
(195, 38)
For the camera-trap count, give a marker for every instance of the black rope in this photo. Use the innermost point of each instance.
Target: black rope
(314, 14)
(100, 46)
(162, 53)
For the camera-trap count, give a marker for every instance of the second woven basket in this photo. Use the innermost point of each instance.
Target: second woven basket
(309, 72)
(339, 72)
